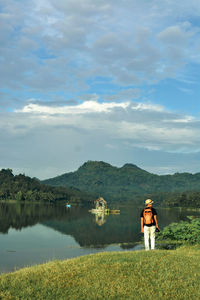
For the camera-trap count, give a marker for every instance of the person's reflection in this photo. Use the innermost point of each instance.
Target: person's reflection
(100, 218)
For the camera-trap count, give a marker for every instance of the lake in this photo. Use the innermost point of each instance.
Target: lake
(36, 233)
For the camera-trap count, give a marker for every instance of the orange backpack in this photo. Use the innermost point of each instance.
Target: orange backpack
(148, 216)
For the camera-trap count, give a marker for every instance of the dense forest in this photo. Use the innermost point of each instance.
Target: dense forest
(24, 188)
(175, 199)
(181, 199)
(130, 183)
(126, 184)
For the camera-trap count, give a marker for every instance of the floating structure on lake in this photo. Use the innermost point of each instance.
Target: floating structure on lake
(102, 208)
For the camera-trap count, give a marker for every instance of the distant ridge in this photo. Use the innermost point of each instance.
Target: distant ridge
(125, 183)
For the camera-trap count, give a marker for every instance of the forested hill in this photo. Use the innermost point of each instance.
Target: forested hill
(125, 183)
(24, 188)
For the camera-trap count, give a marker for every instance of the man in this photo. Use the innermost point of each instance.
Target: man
(149, 224)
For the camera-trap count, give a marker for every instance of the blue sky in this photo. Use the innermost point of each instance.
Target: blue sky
(99, 80)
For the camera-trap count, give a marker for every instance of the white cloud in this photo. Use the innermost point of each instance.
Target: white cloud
(184, 119)
(85, 107)
(53, 140)
(146, 106)
(175, 35)
(59, 43)
(144, 125)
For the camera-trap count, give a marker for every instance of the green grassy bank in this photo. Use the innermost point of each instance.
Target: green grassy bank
(154, 275)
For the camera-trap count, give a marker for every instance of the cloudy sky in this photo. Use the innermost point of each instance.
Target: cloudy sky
(111, 80)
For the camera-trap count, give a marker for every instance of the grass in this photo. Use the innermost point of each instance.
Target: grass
(159, 274)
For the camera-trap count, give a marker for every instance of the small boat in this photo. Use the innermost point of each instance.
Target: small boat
(68, 205)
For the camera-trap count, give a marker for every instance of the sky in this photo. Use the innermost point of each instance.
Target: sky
(106, 80)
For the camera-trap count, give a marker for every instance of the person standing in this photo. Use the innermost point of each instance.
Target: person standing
(149, 223)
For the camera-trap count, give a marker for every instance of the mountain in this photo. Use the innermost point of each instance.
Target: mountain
(126, 183)
(24, 188)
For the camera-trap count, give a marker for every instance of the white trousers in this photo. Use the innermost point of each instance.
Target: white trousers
(149, 233)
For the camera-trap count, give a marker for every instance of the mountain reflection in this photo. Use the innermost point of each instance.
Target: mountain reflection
(21, 215)
(88, 230)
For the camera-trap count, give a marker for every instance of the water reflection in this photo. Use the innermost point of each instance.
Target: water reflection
(21, 215)
(100, 218)
(33, 233)
(87, 229)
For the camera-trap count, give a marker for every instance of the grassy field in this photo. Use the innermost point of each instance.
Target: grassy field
(159, 274)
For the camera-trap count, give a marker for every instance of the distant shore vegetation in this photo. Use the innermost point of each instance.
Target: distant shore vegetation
(23, 188)
(93, 179)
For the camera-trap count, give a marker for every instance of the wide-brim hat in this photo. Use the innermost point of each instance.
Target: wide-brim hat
(148, 201)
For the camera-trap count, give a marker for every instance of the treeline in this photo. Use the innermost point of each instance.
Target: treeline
(184, 199)
(174, 199)
(24, 188)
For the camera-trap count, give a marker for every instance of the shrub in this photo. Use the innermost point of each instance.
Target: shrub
(185, 231)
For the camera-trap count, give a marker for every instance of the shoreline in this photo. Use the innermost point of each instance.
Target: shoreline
(60, 203)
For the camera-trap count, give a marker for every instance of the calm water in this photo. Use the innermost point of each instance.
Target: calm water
(32, 234)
